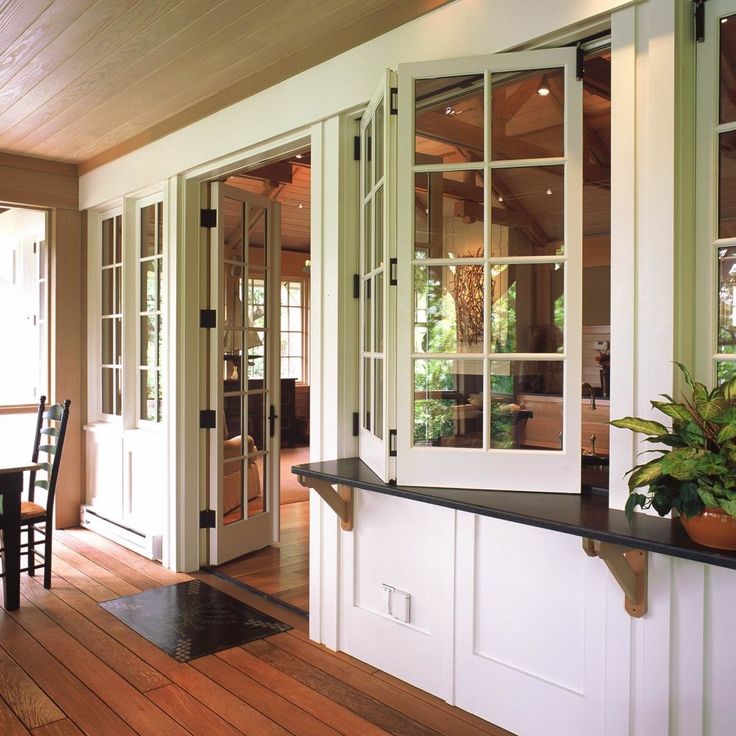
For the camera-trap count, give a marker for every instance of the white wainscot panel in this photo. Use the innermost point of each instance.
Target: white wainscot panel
(105, 470)
(143, 481)
(409, 546)
(530, 629)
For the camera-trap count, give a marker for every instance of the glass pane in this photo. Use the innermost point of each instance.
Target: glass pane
(149, 287)
(149, 231)
(233, 295)
(367, 398)
(367, 317)
(257, 236)
(118, 340)
(368, 152)
(108, 388)
(160, 227)
(148, 409)
(233, 472)
(160, 399)
(42, 259)
(367, 238)
(159, 342)
(256, 302)
(449, 215)
(443, 416)
(295, 293)
(449, 119)
(118, 391)
(378, 398)
(378, 299)
(725, 371)
(727, 185)
(378, 238)
(727, 300)
(107, 291)
(527, 114)
(108, 241)
(728, 65)
(378, 156)
(294, 344)
(255, 424)
(528, 308)
(256, 483)
(527, 211)
(526, 404)
(256, 354)
(148, 340)
(107, 342)
(232, 224)
(118, 300)
(118, 239)
(448, 309)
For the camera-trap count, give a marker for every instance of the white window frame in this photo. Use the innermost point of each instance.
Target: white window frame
(304, 331)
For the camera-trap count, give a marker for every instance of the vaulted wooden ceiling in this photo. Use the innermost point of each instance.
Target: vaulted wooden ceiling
(85, 81)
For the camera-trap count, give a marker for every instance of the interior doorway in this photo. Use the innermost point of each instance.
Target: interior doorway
(281, 570)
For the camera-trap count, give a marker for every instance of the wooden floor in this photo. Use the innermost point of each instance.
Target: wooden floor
(281, 570)
(67, 667)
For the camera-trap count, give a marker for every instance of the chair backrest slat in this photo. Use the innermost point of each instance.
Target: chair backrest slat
(52, 423)
(50, 431)
(54, 413)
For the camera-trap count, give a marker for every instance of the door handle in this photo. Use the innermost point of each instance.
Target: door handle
(272, 417)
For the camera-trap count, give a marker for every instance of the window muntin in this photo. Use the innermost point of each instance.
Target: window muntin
(111, 314)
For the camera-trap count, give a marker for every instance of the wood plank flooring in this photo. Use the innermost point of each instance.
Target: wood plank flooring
(283, 569)
(67, 668)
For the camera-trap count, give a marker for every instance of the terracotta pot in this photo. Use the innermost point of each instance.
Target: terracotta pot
(713, 528)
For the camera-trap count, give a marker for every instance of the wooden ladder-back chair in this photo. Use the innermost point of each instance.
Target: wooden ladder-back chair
(50, 430)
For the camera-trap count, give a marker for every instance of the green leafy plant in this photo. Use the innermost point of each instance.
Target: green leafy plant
(696, 469)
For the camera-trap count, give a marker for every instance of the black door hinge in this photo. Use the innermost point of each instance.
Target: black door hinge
(579, 62)
(356, 148)
(208, 218)
(392, 443)
(207, 318)
(207, 419)
(356, 424)
(207, 519)
(699, 12)
(356, 286)
(394, 101)
(392, 275)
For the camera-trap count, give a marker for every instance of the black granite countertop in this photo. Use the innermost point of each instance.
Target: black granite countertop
(584, 515)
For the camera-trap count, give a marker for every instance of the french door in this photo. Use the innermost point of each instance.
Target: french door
(243, 373)
(489, 272)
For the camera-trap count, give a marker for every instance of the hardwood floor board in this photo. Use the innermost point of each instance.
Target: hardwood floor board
(367, 707)
(25, 698)
(112, 564)
(78, 579)
(58, 728)
(435, 718)
(266, 559)
(364, 666)
(298, 596)
(270, 704)
(86, 571)
(79, 703)
(310, 701)
(116, 656)
(10, 724)
(190, 713)
(132, 706)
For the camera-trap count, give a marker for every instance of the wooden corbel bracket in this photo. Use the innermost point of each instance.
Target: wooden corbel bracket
(630, 569)
(340, 500)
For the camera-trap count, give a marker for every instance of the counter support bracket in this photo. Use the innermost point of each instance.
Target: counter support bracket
(629, 568)
(340, 500)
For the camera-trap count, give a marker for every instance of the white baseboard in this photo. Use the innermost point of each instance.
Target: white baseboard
(148, 545)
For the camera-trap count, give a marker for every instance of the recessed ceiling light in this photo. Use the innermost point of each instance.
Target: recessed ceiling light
(500, 198)
(543, 89)
(299, 155)
(549, 190)
(301, 206)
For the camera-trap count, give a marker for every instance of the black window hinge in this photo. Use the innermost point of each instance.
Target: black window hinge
(207, 318)
(356, 148)
(392, 443)
(208, 218)
(356, 286)
(699, 13)
(394, 101)
(207, 419)
(356, 424)
(579, 62)
(34, 247)
(393, 264)
(207, 519)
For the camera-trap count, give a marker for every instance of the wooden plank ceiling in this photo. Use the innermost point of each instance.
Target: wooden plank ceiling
(85, 81)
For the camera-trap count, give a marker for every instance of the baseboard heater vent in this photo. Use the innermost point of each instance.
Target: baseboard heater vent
(148, 545)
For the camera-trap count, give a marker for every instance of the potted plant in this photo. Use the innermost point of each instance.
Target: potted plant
(695, 470)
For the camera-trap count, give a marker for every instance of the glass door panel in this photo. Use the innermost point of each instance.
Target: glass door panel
(490, 191)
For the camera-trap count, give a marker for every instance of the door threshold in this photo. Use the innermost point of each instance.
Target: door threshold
(254, 591)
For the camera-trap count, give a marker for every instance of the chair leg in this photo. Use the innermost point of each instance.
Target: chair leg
(47, 555)
(31, 550)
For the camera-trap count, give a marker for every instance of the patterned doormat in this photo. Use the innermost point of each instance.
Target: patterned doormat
(192, 619)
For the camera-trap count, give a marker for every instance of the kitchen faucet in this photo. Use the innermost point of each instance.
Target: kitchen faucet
(587, 387)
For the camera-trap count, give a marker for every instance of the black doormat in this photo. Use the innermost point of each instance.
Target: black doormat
(192, 619)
